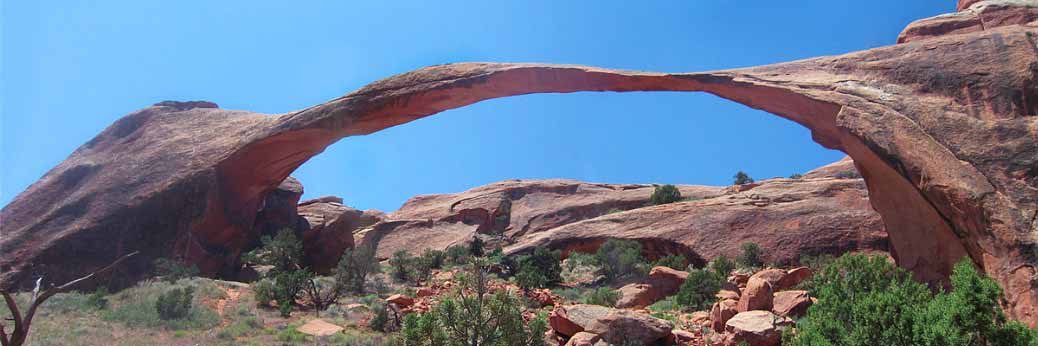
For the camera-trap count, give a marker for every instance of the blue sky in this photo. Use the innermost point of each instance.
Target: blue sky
(70, 68)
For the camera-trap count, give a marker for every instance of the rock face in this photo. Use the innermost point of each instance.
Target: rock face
(785, 217)
(973, 16)
(756, 328)
(943, 129)
(329, 232)
(611, 325)
(513, 208)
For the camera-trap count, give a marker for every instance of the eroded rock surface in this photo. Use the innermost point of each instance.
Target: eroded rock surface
(943, 130)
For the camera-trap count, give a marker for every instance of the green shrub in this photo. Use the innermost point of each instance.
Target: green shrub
(676, 262)
(750, 256)
(722, 266)
(742, 178)
(697, 293)
(284, 251)
(603, 296)
(664, 194)
(436, 258)
(473, 316)
(539, 269)
(400, 264)
(577, 259)
(98, 299)
(354, 267)
(288, 285)
(380, 316)
(407, 268)
(173, 270)
(175, 304)
(866, 300)
(457, 254)
(138, 306)
(619, 259)
(796, 176)
(477, 246)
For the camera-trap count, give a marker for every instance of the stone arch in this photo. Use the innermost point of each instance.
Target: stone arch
(940, 129)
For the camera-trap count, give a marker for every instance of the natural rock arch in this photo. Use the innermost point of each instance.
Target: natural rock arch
(943, 130)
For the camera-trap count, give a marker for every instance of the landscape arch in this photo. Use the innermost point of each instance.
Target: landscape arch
(943, 132)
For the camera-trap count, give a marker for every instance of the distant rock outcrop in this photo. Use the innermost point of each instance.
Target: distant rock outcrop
(943, 129)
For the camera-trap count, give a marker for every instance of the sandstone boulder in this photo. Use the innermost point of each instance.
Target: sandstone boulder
(585, 339)
(791, 304)
(721, 312)
(400, 300)
(756, 296)
(620, 326)
(772, 275)
(757, 328)
(662, 282)
(793, 278)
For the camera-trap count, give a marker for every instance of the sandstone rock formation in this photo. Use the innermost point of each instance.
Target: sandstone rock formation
(786, 217)
(973, 16)
(943, 129)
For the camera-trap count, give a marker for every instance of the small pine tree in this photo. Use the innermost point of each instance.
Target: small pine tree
(750, 256)
(676, 262)
(477, 246)
(175, 304)
(697, 293)
(664, 194)
(618, 259)
(603, 296)
(742, 178)
(400, 264)
(722, 266)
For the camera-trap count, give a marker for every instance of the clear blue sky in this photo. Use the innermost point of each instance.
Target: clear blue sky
(70, 68)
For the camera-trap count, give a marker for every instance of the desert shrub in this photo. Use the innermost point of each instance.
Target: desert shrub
(473, 316)
(604, 296)
(697, 293)
(796, 176)
(175, 304)
(664, 194)
(477, 247)
(457, 254)
(263, 291)
(98, 299)
(619, 259)
(288, 285)
(284, 251)
(407, 268)
(742, 178)
(750, 256)
(539, 269)
(172, 270)
(676, 262)
(816, 262)
(380, 316)
(866, 300)
(354, 267)
(137, 306)
(436, 258)
(722, 266)
(577, 259)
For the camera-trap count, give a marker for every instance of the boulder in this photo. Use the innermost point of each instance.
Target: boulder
(772, 275)
(721, 312)
(756, 296)
(700, 318)
(620, 326)
(757, 328)
(400, 300)
(683, 337)
(585, 339)
(612, 325)
(793, 278)
(425, 292)
(791, 304)
(661, 283)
